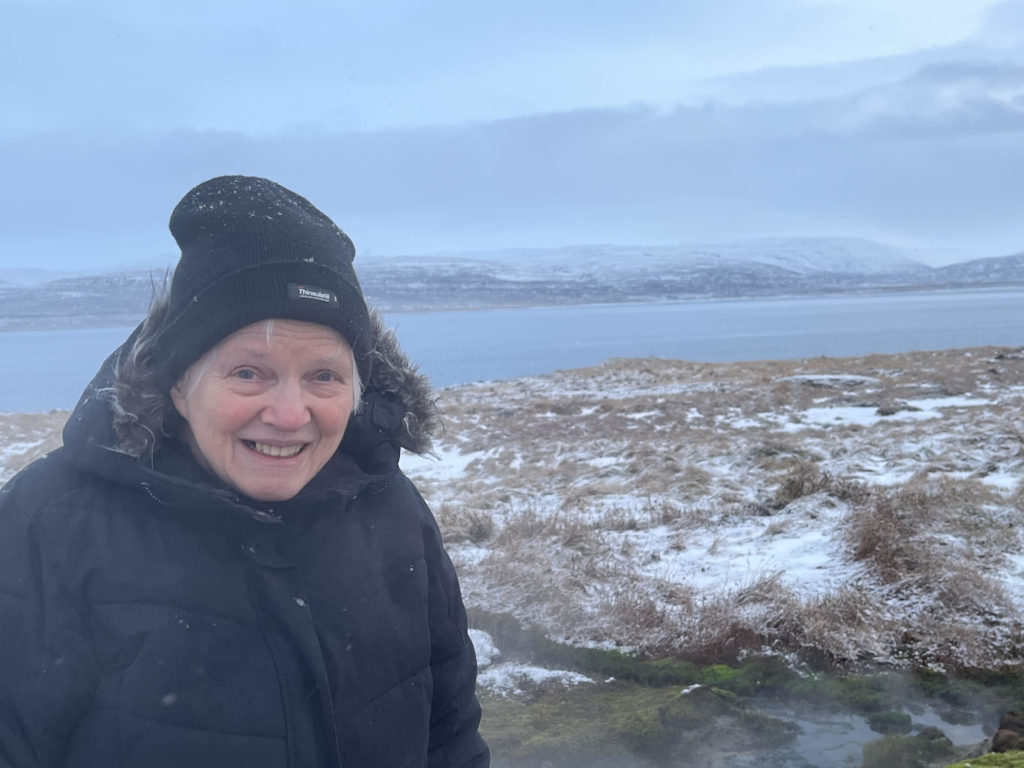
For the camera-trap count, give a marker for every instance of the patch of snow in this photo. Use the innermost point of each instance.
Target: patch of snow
(643, 414)
(868, 415)
(746, 423)
(16, 449)
(467, 554)
(486, 651)
(959, 401)
(1013, 577)
(449, 464)
(510, 678)
(797, 545)
(831, 380)
(1005, 479)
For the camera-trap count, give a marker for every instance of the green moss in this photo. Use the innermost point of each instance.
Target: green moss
(861, 694)
(872, 693)
(770, 731)
(590, 723)
(604, 725)
(726, 694)
(723, 676)
(755, 675)
(918, 751)
(993, 760)
(642, 714)
(889, 721)
(993, 691)
(576, 722)
(516, 640)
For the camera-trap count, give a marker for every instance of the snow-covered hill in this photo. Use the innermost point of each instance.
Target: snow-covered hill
(807, 255)
(1004, 269)
(568, 275)
(845, 256)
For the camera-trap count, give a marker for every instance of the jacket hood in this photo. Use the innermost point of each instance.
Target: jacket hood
(397, 411)
(394, 377)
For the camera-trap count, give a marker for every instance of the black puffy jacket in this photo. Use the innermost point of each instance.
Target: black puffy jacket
(150, 617)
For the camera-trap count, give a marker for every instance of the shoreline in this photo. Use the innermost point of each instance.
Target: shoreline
(46, 323)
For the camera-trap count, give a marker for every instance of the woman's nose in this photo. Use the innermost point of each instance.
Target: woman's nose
(286, 407)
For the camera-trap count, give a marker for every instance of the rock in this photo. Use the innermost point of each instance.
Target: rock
(889, 721)
(1010, 734)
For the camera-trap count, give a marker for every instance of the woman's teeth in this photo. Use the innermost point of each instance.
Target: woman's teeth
(275, 450)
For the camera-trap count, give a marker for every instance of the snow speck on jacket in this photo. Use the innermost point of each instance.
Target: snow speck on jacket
(150, 617)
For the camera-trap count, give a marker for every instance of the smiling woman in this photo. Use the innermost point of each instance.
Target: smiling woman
(223, 565)
(265, 409)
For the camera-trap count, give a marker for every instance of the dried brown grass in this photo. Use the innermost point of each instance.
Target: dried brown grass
(461, 524)
(27, 437)
(928, 546)
(927, 529)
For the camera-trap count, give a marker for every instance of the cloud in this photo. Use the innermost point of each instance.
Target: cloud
(949, 98)
(345, 65)
(910, 169)
(112, 124)
(1003, 24)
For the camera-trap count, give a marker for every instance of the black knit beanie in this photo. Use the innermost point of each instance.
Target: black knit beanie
(253, 250)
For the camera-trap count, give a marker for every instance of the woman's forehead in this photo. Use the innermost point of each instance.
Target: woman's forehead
(277, 332)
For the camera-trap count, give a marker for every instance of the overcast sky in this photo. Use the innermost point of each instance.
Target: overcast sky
(439, 126)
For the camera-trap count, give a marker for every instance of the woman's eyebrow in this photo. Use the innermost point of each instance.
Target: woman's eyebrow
(247, 352)
(331, 361)
(263, 353)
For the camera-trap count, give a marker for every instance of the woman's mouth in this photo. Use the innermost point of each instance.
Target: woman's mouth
(277, 451)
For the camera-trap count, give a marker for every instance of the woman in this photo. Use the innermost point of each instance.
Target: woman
(224, 566)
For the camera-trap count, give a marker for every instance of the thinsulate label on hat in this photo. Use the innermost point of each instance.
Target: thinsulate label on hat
(312, 293)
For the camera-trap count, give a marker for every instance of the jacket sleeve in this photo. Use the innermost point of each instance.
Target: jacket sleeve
(455, 741)
(47, 666)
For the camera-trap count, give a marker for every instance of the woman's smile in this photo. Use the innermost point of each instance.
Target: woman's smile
(277, 451)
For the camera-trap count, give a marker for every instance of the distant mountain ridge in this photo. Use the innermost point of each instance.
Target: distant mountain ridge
(569, 275)
(1003, 269)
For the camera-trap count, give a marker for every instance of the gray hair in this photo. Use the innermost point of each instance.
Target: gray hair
(143, 414)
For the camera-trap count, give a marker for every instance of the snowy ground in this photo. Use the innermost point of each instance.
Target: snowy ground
(845, 510)
(25, 437)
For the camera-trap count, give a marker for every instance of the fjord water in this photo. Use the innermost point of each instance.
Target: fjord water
(48, 369)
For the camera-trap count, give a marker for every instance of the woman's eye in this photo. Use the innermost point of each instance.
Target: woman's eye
(246, 374)
(326, 376)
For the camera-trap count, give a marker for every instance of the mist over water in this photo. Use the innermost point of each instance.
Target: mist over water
(49, 369)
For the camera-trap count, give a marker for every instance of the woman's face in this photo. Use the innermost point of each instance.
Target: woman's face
(267, 407)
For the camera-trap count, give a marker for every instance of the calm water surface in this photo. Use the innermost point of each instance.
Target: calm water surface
(48, 369)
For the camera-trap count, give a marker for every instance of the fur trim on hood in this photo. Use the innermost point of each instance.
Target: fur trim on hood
(394, 377)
